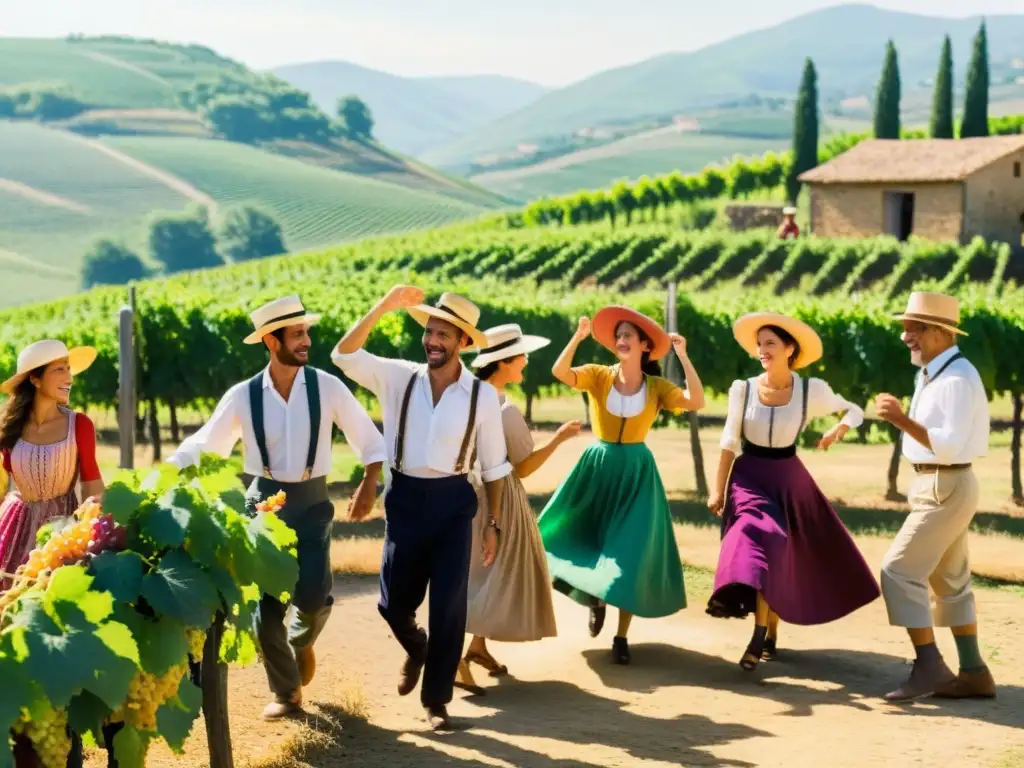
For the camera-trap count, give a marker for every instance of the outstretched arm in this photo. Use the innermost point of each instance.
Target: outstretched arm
(693, 396)
(536, 460)
(399, 297)
(562, 369)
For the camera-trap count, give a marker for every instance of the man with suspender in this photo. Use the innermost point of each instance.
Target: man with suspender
(437, 418)
(284, 416)
(946, 429)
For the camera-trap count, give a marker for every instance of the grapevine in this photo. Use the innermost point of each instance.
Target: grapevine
(48, 733)
(146, 694)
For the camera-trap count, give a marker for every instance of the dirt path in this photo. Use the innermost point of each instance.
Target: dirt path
(39, 196)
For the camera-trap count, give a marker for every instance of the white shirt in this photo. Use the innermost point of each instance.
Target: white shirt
(778, 426)
(627, 406)
(286, 428)
(433, 434)
(953, 409)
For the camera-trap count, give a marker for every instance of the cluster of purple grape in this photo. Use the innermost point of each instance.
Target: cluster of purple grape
(105, 534)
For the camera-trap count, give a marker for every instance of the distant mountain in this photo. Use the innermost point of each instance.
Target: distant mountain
(413, 114)
(846, 42)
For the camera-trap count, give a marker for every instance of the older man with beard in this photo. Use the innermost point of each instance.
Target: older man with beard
(287, 447)
(944, 432)
(437, 418)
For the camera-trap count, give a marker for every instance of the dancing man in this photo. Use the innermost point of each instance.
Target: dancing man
(946, 429)
(433, 414)
(287, 447)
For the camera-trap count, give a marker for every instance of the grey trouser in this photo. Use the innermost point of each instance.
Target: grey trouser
(309, 512)
(931, 551)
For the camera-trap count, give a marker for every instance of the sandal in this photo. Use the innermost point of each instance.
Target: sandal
(488, 662)
(771, 649)
(465, 681)
(751, 658)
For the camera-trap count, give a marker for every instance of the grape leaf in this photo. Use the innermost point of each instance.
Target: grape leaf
(111, 682)
(119, 639)
(278, 569)
(176, 717)
(122, 502)
(71, 584)
(130, 748)
(86, 713)
(119, 573)
(162, 644)
(230, 592)
(180, 589)
(223, 479)
(237, 647)
(166, 523)
(233, 499)
(206, 537)
(17, 690)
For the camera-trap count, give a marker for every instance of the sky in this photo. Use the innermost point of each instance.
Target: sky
(551, 42)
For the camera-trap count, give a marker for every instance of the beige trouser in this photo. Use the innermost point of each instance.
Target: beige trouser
(931, 549)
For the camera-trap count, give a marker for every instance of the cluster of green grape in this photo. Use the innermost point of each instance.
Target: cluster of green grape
(196, 640)
(146, 694)
(49, 736)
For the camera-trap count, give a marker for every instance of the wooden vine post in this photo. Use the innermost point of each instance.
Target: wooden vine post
(674, 373)
(215, 698)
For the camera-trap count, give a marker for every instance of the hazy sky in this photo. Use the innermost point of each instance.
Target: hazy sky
(553, 42)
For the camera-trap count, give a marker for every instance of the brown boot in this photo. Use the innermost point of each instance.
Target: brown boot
(978, 684)
(924, 680)
(277, 709)
(410, 675)
(306, 659)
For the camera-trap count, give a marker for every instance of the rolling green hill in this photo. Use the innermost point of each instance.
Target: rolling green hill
(846, 42)
(59, 192)
(412, 114)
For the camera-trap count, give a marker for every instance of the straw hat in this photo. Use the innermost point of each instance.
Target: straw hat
(745, 330)
(278, 314)
(43, 353)
(789, 211)
(933, 309)
(454, 309)
(609, 318)
(505, 342)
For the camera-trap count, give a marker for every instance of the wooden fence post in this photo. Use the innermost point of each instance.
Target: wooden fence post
(674, 373)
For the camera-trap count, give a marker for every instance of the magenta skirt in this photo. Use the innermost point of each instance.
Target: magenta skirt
(19, 523)
(781, 537)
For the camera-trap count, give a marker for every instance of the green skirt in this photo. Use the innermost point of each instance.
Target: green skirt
(608, 533)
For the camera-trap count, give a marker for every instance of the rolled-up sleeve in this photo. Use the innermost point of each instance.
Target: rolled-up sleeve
(733, 418)
(490, 441)
(218, 435)
(377, 374)
(823, 401)
(956, 404)
(356, 424)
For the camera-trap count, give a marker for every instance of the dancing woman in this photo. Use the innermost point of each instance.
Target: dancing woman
(785, 553)
(46, 448)
(510, 602)
(607, 530)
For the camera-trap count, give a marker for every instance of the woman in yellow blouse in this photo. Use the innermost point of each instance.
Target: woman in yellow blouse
(607, 530)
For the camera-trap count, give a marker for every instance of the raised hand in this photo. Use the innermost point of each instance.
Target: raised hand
(583, 329)
(569, 429)
(678, 343)
(403, 297)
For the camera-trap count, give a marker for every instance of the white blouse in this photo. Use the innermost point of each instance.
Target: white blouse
(626, 406)
(778, 426)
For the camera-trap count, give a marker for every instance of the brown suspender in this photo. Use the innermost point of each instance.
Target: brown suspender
(403, 418)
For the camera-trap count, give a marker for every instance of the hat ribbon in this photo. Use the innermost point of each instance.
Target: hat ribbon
(454, 314)
(501, 346)
(279, 318)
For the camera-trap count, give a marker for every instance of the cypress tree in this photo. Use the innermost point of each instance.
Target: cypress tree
(975, 122)
(887, 100)
(805, 130)
(942, 100)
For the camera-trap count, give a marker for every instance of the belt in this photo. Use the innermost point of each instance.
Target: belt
(922, 468)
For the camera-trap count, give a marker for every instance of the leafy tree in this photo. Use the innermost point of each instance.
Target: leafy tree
(237, 118)
(942, 100)
(742, 179)
(110, 263)
(183, 241)
(356, 116)
(249, 233)
(975, 121)
(646, 193)
(625, 200)
(887, 100)
(805, 131)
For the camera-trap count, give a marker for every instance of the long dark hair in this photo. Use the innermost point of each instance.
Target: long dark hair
(17, 410)
(787, 340)
(648, 366)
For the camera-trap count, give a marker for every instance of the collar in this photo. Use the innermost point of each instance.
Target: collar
(268, 383)
(938, 361)
(465, 379)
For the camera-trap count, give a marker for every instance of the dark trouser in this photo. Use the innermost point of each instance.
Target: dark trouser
(307, 511)
(427, 540)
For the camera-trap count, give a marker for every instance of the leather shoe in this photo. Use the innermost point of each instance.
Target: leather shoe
(596, 623)
(410, 676)
(306, 659)
(277, 709)
(437, 718)
(924, 680)
(978, 684)
(620, 650)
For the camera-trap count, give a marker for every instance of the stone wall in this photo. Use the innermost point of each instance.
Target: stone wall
(743, 217)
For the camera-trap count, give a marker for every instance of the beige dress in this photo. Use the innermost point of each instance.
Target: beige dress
(511, 601)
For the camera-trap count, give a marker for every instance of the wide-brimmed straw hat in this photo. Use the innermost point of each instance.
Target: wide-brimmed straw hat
(278, 314)
(789, 211)
(745, 330)
(457, 310)
(43, 353)
(608, 320)
(933, 309)
(505, 342)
